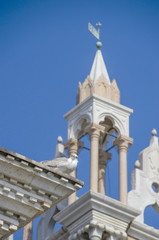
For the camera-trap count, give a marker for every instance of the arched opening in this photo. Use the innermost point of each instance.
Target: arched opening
(82, 125)
(106, 145)
(106, 139)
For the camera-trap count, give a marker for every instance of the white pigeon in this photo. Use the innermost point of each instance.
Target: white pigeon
(62, 163)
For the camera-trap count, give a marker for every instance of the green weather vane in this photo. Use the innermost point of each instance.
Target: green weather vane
(96, 33)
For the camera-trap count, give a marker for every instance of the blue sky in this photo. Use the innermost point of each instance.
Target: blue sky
(46, 49)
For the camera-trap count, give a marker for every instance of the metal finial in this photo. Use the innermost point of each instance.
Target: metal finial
(98, 44)
(95, 33)
(99, 25)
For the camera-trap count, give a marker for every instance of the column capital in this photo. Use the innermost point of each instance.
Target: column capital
(94, 129)
(73, 145)
(123, 142)
(103, 158)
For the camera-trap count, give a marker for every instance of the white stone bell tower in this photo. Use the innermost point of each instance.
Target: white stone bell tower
(99, 113)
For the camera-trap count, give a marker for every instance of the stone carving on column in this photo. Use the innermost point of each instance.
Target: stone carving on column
(103, 159)
(123, 143)
(73, 145)
(145, 179)
(94, 131)
(98, 231)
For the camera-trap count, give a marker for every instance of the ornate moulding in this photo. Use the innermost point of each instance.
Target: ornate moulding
(101, 87)
(95, 109)
(94, 214)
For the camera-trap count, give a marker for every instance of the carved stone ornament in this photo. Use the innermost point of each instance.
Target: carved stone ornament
(101, 88)
(145, 179)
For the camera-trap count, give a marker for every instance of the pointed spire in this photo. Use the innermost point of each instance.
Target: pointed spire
(98, 81)
(99, 67)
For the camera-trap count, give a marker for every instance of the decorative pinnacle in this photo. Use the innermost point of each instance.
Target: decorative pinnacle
(59, 139)
(154, 132)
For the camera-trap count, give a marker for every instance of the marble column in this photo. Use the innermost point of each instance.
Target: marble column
(73, 145)
(123, 143)
(103, 159)
(94, 132)
(28, 231)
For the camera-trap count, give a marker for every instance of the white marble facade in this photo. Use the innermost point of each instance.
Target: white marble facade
(96, 109)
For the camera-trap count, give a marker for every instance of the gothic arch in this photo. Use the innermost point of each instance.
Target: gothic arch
(117, 123)
(79, 124)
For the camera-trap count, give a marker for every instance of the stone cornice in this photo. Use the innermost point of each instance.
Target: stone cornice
(38, 166)
(97, 207)
(27, 189)
(142, 231)
(102, 100)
